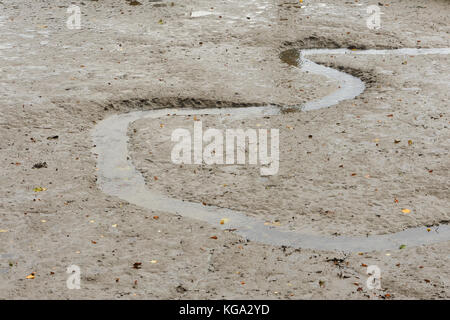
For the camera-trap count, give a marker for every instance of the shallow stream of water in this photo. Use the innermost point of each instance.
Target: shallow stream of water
(118, 177)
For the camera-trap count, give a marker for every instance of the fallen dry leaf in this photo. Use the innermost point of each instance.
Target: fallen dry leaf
(31, 276)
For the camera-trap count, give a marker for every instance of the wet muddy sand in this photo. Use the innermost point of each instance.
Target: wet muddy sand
(348, 170)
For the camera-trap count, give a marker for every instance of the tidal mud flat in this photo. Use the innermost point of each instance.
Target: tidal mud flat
(58, 84)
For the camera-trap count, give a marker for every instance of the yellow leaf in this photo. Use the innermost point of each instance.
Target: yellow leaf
(406, 210)
(31, 276)
(39, 189)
